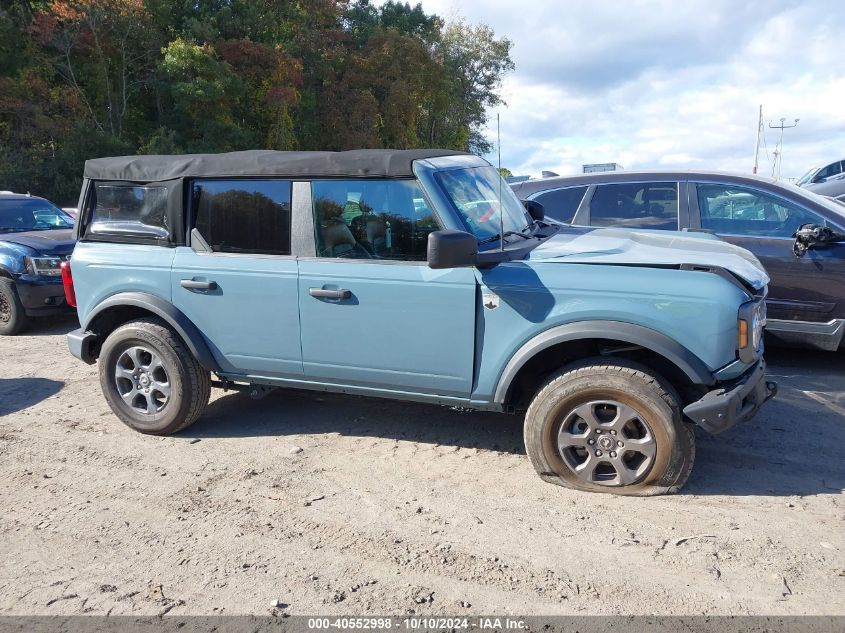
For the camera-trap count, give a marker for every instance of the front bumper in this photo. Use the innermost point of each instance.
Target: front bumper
(733, 402)
(41, 295)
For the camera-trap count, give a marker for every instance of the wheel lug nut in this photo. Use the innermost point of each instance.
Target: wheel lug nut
(591, 441)
(613, 453)
(613, 432)
(619, 443)
(598, 431)
(598, 453)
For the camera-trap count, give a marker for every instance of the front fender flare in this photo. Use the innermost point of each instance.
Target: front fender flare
(645, 337)
(169, 313)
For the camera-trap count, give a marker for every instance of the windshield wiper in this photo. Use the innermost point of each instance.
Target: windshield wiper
(499, 236)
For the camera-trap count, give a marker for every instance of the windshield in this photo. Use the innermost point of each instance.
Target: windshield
(32, 215)
(475, 193)
(803, 180)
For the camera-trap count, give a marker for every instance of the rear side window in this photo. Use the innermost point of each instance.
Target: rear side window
(652, 205)
(129, 211)
(243, 216)
(561, 204)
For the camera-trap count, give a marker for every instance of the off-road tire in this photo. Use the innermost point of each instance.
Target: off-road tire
(13, 318)
(622, 381)
(190, 384)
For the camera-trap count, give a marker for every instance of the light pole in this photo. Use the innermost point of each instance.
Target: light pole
(779, 149)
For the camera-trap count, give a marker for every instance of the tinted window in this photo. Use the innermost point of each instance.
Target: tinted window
(130, 211)
(243, 216)
(372, 219)
(827, 172)
(744, 211)
(22, 214)
(636, 206)
(561, 204)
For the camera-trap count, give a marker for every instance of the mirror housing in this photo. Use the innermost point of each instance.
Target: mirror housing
(536, 210)
(452, 249)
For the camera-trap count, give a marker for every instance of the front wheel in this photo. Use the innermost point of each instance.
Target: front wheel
(609, 426)
(150, 379)
(13, 318)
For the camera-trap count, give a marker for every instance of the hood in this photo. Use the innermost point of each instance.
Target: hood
(49, 242)
(651, 248)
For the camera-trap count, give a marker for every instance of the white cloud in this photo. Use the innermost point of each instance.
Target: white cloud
(656, 84)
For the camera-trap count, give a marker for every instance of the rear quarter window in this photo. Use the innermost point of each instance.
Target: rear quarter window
(129, 211)
(561, 204)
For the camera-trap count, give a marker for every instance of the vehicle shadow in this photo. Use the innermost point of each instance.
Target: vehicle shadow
(17, 394)
(52, 325)
(791, 447)
(298, 412)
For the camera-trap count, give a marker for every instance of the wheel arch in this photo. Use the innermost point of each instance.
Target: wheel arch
(127, 306)
(563, 343)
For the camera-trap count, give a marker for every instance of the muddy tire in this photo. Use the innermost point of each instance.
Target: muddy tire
(13, 319)
(150, 379)
(609, 426)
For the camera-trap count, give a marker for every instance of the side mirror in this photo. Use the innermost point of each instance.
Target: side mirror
(451, 249)
(811, 235)
(536, 210)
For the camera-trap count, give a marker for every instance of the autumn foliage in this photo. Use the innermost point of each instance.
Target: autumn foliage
(87, 78)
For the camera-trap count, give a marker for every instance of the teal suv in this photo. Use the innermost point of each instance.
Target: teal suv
(413, 275)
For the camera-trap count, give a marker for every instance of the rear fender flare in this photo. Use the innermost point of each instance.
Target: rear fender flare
(169, 313)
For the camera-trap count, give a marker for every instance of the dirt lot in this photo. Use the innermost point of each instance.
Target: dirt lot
(344, 505)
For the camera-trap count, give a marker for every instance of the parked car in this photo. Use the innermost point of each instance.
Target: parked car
(35, 237)
(413, 275)
(833, 187)
(806, 302)
(820, 174)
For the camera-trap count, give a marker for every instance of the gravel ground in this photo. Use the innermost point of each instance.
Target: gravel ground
(307, 503)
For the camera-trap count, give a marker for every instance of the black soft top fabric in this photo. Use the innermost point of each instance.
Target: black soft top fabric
(362, 163)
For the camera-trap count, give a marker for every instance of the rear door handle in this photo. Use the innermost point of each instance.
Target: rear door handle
(323, 293)
(193, 284)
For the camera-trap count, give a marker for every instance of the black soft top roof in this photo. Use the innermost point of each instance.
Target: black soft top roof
(361, 163)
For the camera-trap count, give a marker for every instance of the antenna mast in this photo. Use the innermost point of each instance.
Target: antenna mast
(779, 150)
(501, 210)
(757, 146)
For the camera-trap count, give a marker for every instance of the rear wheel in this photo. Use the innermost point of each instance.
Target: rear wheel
(13, 318)
(609, 426)
(150, 379)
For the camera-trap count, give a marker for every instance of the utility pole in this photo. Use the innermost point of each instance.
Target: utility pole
(757, 146)
(779, 149)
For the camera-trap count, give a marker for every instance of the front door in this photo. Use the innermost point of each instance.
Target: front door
(805, 288)
(238, 283)
(373, 314)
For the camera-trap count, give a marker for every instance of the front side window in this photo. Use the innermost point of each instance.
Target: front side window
(131, 211)
(475, 194)
(636, 206)
(243, 216)
(561, 204)
(22, 214)
(732, 210)
(372, 219)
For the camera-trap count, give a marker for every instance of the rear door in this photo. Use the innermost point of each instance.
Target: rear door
(636, 205)
(238, 283)
(805, 288)
(373, 313)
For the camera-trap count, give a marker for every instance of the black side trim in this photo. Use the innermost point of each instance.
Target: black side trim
(166, 311)
(659, 343)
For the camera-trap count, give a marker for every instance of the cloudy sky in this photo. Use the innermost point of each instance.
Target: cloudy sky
(652, 83)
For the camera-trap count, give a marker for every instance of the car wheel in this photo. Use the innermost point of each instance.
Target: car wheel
(609, 426)
(150, 379)
(13, 319)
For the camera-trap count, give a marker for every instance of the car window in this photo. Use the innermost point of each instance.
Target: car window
(561, 204)
(31, 215)
(651, 205)
(732, 210)
(124, 210)
(243, 216)
(372, 219)
(827, 172)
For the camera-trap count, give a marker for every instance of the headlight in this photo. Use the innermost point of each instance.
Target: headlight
(750, 324)
(44, 266)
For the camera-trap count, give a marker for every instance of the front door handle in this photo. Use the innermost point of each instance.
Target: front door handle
(193, 284)
(323, 293)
